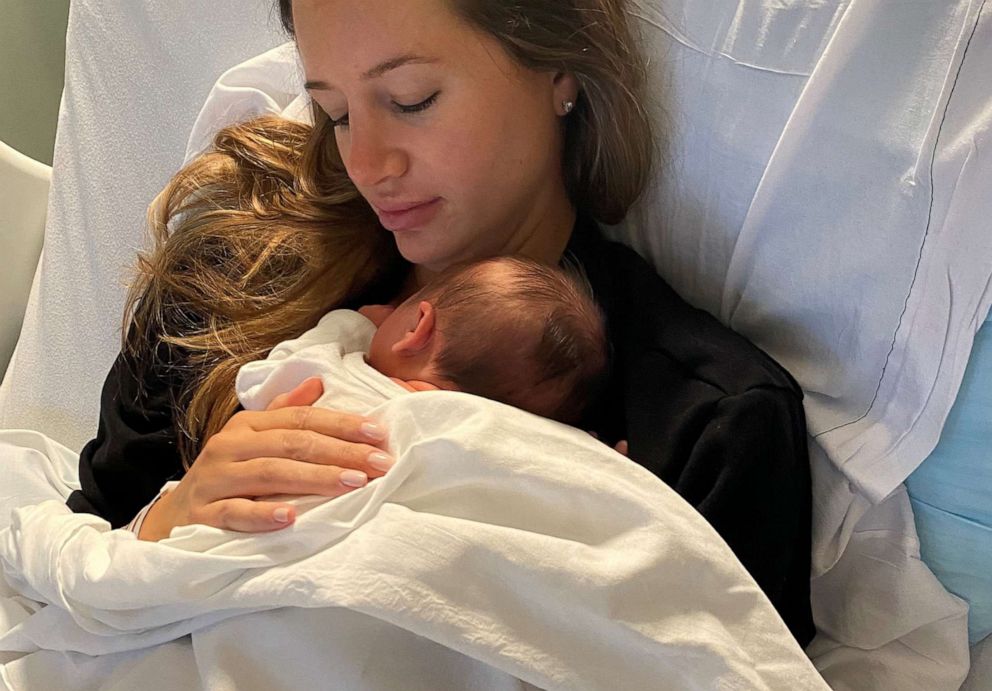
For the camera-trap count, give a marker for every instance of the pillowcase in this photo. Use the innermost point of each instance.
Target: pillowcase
(824, 192)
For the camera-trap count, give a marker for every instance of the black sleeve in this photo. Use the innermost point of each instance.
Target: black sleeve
(747, 474)
(134, 452)
(714, 418)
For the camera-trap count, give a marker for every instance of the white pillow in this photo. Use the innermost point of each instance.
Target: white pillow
(136, 75)
(827, 196)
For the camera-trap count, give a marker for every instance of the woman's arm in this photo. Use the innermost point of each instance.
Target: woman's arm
(745, 469)
(288, 449)
(134, 452)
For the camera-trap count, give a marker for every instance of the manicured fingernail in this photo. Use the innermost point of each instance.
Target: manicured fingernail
(354, 478)
(281, 515)
(380, 461)
(373, 431)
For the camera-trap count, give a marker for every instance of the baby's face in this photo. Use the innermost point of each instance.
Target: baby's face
(376, 314)
(388, 330)
(392, 325)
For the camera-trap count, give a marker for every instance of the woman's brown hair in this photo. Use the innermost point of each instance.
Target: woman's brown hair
(255, 240)
(609, 138)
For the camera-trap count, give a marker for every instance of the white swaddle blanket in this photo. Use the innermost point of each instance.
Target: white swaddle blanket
(519, 542)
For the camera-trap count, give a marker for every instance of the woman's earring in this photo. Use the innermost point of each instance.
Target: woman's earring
(567, 106)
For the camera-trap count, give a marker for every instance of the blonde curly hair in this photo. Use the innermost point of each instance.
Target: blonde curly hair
(254, 241)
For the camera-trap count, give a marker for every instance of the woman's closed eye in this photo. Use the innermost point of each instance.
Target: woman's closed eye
(400, 107)
(418, 107)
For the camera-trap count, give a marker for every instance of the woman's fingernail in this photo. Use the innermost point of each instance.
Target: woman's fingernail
(354, 478)
(281, 515)
(373, 431)
(380, 461)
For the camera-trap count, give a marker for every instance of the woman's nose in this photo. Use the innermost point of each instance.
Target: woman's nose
(370, 157)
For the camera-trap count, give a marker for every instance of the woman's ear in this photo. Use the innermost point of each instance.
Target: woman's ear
(566, 92)
(419, 338)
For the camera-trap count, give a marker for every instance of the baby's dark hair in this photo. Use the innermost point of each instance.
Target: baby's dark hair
(522, 333)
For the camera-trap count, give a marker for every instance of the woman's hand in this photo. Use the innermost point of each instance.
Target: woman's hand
(290, 448)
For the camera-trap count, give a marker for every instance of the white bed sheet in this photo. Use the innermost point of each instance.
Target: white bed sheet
(749, 79)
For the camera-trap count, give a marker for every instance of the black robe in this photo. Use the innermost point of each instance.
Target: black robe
(703, 409)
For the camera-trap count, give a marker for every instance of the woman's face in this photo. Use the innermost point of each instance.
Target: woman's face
(456, 147)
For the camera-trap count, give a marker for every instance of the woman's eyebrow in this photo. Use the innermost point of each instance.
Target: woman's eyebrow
(379, 69)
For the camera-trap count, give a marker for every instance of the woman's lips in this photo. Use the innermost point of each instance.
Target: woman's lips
(400, 217)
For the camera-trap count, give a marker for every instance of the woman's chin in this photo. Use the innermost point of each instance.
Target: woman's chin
(425, 254)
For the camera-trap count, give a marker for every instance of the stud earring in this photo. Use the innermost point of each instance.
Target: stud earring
(567, 106)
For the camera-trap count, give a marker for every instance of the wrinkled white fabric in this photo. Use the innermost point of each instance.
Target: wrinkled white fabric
(981, 666)
(883, 619)
(261, 652)
(825, 195)
(271, 82)
(514, 540)
(333, 350)
(867, 274)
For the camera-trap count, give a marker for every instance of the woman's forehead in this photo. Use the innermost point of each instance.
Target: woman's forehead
(362, 41)
(380, 69)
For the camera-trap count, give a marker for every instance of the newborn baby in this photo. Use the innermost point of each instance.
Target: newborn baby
(508, 328)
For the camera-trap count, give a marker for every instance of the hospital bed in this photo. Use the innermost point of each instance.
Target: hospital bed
(23, 202)
(824, 193)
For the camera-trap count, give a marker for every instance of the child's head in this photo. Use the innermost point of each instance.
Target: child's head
(508, 328)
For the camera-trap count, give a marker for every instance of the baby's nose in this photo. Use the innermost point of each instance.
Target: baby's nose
(376, 313)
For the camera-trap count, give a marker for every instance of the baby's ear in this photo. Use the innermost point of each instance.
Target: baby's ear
(420, 337)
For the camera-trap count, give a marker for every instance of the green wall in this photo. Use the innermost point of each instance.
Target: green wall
(32, 69)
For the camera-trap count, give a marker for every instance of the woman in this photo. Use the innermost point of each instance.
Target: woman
(467, 129)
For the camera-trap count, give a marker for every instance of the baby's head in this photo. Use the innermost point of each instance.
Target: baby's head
(508, 328)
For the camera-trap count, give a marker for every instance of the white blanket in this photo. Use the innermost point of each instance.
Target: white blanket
(333, 350)
(524, 545)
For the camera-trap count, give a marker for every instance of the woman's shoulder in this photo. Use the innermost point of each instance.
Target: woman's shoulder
(647, 316)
